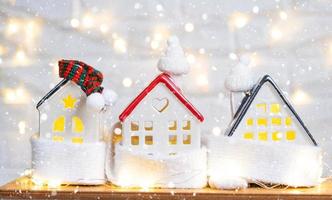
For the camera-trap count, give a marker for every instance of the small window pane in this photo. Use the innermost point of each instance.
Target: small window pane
(262, 135)
(248, 136)
(149, 140)
(186, 139)
(261, 107)
(172, 139)
(172, 125)
(134, 126)
(290, 135)
(262, 122)
(250, 122)
(186, 125)
(148, 125)
(276, 136)
(77, 140)
(57, 138)
(275, 108)
(134, 140)
(288, 121)
(276, 121)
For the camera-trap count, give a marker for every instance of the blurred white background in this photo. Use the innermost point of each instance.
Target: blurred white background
(289, 39)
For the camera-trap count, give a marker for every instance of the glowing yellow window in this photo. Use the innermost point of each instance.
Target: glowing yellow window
(57, 138)
(276, 136)
(172, 125)
(275, 108)
(276, 121)
(186, 139)
(186, 125)
(59, 124)
(134, 140)
(78, 125)
(77, 140)
(262, 122)
(261, 107)
(250, 122)
(149, 140)
(290, 135)
(248, 135)
(262, 135)
(148, 125)
(134, 126)
(172, 139)
(288, 121)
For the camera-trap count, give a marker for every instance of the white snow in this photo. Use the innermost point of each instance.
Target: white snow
(95, 101)
(110, 96)
(174, 60)
(227, 182)
(240, 78)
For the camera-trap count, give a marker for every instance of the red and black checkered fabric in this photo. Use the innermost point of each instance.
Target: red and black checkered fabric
(88, 78)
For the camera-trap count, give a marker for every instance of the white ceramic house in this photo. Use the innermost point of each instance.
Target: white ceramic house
(65, 117)
(265, 114)
(161, 120)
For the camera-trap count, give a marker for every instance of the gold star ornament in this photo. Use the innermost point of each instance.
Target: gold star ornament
(69, 102)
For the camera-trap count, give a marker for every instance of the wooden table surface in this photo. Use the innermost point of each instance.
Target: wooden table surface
(23, 188)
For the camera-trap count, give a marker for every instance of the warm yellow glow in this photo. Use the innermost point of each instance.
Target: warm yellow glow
(127, 82)
(20, 58)
(69, 102)
(275, 108)
(191, 58)
(216, 131)
(261, 107)
(3, 50)
(57, 138)
(288, 121)
(117, 131)
(276, 136)
(276, 33)
(283, 15)
(262, 135)
(77, 125)
(77, 140)
(13, 26)
(239, 20)
(262, 121)
(276, 121)
(248, 135)
(160, 33)
(88, 20)
(104, 28)
(22, 127)
(32, 29)
(300, 97)
(189, 27)
(202, 80)
(120, 45)
(15, 96)
(250, 121)
(59, 124)
(75, 23)
(290, 135)
(54, 183)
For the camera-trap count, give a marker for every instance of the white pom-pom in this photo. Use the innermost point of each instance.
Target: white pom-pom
(109, 96)
(174, 60)
(95, 101)
(240, 78)
(227, 183)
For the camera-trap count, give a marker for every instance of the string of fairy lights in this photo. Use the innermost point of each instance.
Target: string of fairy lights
(23, 29)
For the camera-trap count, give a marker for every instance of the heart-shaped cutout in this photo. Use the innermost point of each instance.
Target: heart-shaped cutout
(160, 104)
